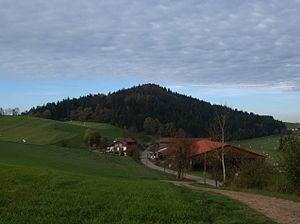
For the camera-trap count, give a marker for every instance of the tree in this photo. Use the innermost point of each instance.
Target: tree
(180, 133)
(131, 107)
(178, 155)
(291, 160)
(88, 135)
(168, 129)
(15, 111)
(219, 131)
(46, 114)
(93, 139)
(152, 126)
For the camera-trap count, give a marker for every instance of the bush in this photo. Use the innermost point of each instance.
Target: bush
(134, 152)
(291, 160)
(93, 139)
(253, 174)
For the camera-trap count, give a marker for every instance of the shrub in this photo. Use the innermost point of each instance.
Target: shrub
(253, 174)
(134, 152)
(291, 160)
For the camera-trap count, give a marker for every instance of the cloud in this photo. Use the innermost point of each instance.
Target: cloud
(233, 43)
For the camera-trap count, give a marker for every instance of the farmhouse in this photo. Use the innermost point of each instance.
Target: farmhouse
(120, 146)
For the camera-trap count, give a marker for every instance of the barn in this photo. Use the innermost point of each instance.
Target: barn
(205, 151)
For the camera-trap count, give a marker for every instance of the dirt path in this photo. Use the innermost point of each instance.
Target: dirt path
(279, 210)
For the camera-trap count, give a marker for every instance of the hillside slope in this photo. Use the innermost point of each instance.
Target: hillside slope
(129, 108)
(49, 184)
(44, 131)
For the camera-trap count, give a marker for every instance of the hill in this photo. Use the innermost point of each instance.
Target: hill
(164, 110)
(44, 131)
(49, 184)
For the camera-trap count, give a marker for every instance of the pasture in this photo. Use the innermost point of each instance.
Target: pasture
(49, 132)
(50, 184)
(267, 146)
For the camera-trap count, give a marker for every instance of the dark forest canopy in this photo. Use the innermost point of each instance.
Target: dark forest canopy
(158, 111)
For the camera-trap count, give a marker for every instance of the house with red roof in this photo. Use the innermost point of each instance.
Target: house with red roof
(121, 146)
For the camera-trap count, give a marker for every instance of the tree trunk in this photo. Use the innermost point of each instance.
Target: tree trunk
(178, 174)
(204, 173)
(223, 157)
(223, 165)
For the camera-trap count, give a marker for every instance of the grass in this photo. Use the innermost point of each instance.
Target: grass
(275, 194)
(45, 132)
(112, 132)
(291, 125)
(50, 184)
(291, 197)
(200, 173)
(267, 146)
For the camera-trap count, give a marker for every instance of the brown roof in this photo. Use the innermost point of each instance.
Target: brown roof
(125, 140)
(205, 145)
(128, 139)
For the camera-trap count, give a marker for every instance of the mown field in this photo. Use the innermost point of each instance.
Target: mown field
(51, 184)
(44, 132)
(267, 146)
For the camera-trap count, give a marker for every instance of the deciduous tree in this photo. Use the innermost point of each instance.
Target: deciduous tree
(219, 129)
(178, 155)
(291, 160)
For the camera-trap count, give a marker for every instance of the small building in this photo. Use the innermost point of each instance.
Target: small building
(121, 146)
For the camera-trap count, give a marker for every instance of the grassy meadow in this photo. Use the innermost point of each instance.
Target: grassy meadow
(49, 132)
(41, 183)
(267, 146)
(49, 184)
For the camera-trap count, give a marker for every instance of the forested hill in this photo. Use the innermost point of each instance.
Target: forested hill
(156, 110)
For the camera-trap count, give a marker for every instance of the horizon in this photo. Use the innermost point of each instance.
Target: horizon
(242, 54)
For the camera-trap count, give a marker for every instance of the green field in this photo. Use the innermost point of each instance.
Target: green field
(51, 184)
(267, 146)
(44, 132)
(291, 125)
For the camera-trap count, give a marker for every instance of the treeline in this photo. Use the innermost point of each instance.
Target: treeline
(10, 111)
(158, 111)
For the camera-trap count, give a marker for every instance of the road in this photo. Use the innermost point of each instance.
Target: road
(148, 163)
(279, 210)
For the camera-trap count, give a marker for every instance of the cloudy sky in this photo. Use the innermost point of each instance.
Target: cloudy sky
(242, 53)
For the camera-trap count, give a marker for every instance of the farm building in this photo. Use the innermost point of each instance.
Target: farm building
(204, 149)
(164, 144)
(121, 146)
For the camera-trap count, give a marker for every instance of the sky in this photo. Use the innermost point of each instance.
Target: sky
(241, 53)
